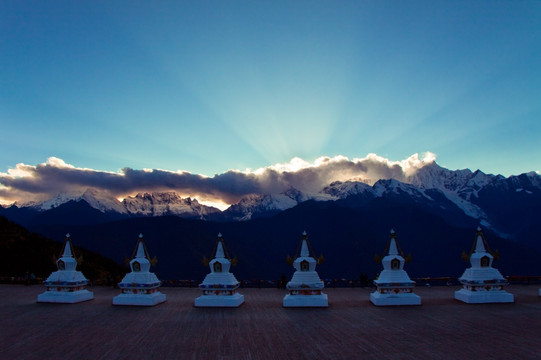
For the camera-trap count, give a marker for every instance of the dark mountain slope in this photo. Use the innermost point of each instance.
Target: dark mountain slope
(22, 252)
(348, 238)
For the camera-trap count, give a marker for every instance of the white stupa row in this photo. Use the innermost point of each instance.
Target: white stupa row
(481, 282)
(66, 285)
(140, 286)
(393, 286)
(220, 286)
(305, 288)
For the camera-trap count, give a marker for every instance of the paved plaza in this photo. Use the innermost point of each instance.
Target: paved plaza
(350, 328)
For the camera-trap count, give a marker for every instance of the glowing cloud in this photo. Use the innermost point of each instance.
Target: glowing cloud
(42, 181)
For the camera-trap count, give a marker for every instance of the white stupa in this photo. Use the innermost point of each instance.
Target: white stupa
(481, 282)
(394, 287)
(305, 287)
(140, 287)
(67, 285)
(220, 286)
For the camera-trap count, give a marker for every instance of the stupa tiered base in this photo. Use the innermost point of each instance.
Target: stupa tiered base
(66, 293)
(142, 295)
(139, 299)
(219, 296)
(394, 296)
(234, 300)
(483, 294)
(305, 298)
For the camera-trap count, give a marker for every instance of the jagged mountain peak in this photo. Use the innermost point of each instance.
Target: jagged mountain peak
(341, 190)
(161, 196)
(395, 187)
(475, 194)
(433, 176)
(166, 203)
(255, 205)
(98, 199)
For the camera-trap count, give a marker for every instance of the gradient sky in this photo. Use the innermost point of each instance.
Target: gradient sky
(206, 86)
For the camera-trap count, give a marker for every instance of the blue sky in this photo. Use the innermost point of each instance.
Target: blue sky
(207, 86)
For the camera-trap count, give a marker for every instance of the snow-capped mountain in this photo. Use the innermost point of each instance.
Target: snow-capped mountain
(435, 209)
(508, 206)
(99, 200)
(166, 203)
(464, 183)
(254, 206)
(143, 204)
(342, 190)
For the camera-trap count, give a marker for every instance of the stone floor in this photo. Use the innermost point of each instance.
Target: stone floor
(350, 328)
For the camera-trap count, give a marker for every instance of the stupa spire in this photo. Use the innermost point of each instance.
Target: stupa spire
(140, 250)
(393, 249)
(220, 249)
(305, 250)
(479, 242)
(67, 247)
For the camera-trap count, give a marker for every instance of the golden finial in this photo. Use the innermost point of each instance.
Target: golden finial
(205, 261)
(408, 258)
(289, 260)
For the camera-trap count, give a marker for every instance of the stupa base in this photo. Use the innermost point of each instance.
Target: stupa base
(306, 300)
(139, 299)
(380, 299)
(234, 300)
(483, 297)
(65, 297)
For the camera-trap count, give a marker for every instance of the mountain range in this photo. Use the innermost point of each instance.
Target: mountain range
(435, 209)
(505, 205)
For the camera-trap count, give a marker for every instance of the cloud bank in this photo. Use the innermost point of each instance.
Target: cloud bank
(39, 182)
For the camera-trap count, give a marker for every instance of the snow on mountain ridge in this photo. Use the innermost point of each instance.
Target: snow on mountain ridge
(461, 187)
(99, 200)
(396, 187)
(154, 204)
(103, 201)
(165, 203)
(341, 190)
(254, 204)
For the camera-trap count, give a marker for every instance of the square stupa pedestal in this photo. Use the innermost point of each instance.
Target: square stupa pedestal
(380, 299)
(234, 300)
(65, 297)
(305, 300)
(484, 297)
(139, 299)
